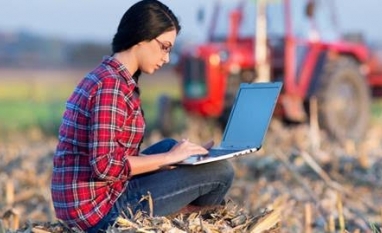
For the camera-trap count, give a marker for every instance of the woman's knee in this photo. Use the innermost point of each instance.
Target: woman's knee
(223, 171)
(228, 171)
(170, 141)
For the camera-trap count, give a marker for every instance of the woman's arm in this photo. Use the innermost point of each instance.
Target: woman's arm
(180, 152)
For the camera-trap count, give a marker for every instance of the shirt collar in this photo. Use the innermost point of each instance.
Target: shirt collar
(121, 69)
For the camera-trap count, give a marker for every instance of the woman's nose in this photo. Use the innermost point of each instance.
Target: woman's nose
(166, 58)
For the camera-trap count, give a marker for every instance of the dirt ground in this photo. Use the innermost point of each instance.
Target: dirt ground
(321, 185)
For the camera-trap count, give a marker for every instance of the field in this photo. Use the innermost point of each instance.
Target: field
(315, 184)
(36, 98)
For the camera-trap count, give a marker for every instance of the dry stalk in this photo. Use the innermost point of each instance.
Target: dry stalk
(126, 223)
(334, 185)
(12, 218)
(25, 195)
(268, 222)
(363, 157)
(9, 193)
(149, 199)
(350, 147)
(341, 217)
(39, 230)
(331, 183)
(308, 218)
(332, 224)
(151, 205)
(314, 126)
(316, 168)
(301, 181)
(2, 227)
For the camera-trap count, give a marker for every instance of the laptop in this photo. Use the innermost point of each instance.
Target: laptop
(247, 124)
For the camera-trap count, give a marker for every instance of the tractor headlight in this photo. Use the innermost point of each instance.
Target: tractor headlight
(214, 59)
(220, 57)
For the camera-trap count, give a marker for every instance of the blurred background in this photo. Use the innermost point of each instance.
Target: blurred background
(46, 47)
(43, 36)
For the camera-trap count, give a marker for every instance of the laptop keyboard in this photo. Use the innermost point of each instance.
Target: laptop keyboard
(218, 152)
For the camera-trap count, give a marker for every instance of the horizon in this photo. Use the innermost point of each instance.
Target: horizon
(98, 21)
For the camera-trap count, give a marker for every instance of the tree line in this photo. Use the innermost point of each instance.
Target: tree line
(27, 50)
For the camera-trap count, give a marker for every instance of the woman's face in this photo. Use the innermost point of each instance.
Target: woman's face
(155, 53)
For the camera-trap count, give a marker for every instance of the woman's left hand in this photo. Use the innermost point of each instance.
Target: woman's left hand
(208, 144)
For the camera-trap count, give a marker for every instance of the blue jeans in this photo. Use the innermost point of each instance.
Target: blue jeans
(173, 189)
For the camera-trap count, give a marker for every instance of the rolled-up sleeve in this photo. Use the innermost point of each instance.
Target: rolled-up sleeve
(116, 129)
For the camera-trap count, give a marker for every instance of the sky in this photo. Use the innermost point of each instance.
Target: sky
(98, 19)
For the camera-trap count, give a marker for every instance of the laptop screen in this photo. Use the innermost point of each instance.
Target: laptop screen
(250, 115)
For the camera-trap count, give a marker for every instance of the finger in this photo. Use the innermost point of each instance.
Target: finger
(209, 144)
(184, 140)
(202, 150)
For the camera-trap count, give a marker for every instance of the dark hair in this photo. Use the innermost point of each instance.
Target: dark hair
(145, 20)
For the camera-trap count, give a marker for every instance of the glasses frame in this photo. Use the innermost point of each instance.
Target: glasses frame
(165, 48)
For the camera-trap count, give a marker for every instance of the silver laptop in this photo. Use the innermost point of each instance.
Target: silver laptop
(247, 124)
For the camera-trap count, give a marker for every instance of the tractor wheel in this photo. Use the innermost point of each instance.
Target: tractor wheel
(344, 100)
(165, 118)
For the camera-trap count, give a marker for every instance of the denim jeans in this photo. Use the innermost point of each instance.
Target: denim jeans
(172, 189)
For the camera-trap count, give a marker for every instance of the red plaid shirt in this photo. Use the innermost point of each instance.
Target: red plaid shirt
(102, 126)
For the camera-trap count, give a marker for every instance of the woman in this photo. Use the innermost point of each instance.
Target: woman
(99, 171)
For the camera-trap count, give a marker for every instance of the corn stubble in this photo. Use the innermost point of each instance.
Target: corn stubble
(291, 185)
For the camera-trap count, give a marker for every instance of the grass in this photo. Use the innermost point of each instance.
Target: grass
(152, 87)
(18, 115)
(376, 109)
(36, 99)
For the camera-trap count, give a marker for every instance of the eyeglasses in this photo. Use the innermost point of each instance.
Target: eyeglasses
(164, 47)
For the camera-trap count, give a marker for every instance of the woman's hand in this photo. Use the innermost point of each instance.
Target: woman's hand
(209, 144)
(181, 151)
(185, 149)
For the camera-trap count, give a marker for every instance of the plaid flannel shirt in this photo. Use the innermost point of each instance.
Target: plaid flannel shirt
(102, 126)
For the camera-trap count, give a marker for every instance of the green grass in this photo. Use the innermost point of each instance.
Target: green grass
(376, 109)
(29, 103)
(16, 115)
(150, 95)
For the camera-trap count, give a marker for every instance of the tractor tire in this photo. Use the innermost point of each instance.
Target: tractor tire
(344, 100)
(165, 118)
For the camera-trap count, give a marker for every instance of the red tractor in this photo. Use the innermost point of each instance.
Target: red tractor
(295, 42)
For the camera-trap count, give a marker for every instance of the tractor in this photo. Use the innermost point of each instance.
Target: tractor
(293, 41)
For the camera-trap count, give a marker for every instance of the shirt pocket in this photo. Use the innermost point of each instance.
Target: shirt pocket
(133, 130)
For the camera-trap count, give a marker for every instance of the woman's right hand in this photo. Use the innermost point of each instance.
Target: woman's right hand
(184, 149)
(181, 151)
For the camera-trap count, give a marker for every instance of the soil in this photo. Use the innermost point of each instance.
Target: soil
(315, 186)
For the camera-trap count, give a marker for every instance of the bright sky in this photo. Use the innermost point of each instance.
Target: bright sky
(98, 19)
